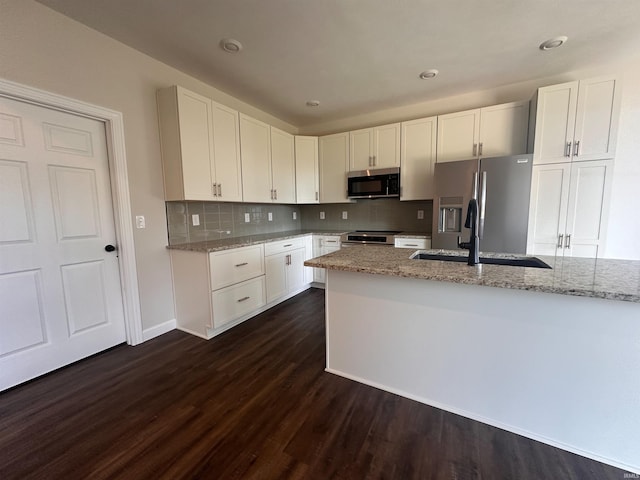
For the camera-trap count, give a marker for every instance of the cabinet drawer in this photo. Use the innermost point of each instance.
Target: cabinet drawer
(236, 265)
(235, 301)
(273, 248)
(330, 241)
(422, 243)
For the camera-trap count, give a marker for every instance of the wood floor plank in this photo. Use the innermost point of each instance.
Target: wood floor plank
(252, 403)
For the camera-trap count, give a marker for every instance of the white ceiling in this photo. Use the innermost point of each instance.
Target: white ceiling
(359, 56)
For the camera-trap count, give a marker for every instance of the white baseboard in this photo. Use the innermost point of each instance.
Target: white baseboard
(488, 421)
(157, 330)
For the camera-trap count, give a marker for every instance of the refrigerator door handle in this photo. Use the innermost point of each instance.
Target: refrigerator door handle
(474, 186)
(483, 202)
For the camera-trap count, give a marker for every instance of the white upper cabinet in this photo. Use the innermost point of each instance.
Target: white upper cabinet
(187, 144)
(307, 173)
(226, 152)
(255, 148)
(377, 147)
(495, 131)
(418, 158)
(283, 167)
(458, 135)
(569, 208)
(200, 147)
(577, 121)
(334, 165)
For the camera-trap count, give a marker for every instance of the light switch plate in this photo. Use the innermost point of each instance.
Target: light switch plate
(270, 216)
(345, 215)
(295, 215)
(420, 214)
(195, 219)
(140, 221)
(247, 218)
(321, 215)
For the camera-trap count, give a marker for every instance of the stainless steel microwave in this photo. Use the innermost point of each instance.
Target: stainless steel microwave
(384, 182)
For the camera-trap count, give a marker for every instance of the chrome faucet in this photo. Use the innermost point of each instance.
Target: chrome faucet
(473, 245)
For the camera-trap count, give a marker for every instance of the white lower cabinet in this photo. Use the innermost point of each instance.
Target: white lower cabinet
(322, 245)
(285, 270)
(231, 303)
(215, 291)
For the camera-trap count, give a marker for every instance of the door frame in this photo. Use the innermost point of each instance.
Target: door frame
(114, 132)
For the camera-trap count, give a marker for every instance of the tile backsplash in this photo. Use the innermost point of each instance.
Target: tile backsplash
(369, 214)
(226, 220)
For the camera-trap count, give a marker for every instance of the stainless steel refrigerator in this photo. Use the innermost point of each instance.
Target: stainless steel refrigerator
(501, 185)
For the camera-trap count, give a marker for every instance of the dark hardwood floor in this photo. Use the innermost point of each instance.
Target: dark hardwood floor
(253, 403)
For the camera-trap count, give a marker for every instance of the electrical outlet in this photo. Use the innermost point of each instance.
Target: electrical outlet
(140, 221)
(321, 215)
(195, 219)
(345, 215)
(270, 216)
(247, 218)
(295, 215)
(420, 214)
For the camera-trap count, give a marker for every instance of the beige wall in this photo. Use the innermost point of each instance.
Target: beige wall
(43, 49)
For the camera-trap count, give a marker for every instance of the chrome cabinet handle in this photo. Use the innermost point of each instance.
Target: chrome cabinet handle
(475, 149)
(567, 243)
(410, 244)
(560, 240)
(567, 149)
(242, 264)
(316, 195)
(375, 161)
(576, 148)
(275, 193)
(483, 202)
(219, 189)
(214, 189)
(287, 245)
(480, 149)
(243, 299)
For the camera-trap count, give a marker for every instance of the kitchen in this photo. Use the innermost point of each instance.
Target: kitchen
(129, 86)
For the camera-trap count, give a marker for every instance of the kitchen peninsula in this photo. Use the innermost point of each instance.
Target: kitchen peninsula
(551, 354)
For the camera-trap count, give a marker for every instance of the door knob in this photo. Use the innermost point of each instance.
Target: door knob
(109, 248)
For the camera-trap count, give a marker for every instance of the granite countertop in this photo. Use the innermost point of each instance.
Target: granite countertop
(587, 277)
(228, 243)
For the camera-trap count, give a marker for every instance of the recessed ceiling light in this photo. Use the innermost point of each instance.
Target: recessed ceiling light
(428, 74)
(230, 45)
(554, 42)
(313, 103)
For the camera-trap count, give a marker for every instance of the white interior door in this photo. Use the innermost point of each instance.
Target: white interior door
(60, 294)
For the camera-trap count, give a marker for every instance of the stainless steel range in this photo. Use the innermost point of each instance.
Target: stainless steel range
(375, 237)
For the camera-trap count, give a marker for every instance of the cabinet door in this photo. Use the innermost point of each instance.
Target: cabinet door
(458, 136)
(255, 152)
(196, 144)
(307, 181)
(334, 163)
(296, 270)
(231, 303)
(283, 166)
(418, 159)
(276, 276)
(361, 154)
(555, 123)
(386, 146)
(596, 119)
(226, 153)
(503, 129)
(589, 193)
(548, 208)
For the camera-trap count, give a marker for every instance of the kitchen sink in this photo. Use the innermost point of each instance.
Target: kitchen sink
(513, 262)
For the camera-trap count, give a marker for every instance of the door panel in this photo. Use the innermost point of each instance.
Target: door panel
(56, 216)
(555, 122)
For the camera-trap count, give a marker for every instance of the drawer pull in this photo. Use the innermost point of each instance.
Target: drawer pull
(242, 264)
(287, 245)
(243, 299)
(331, 241)
(411, 244)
